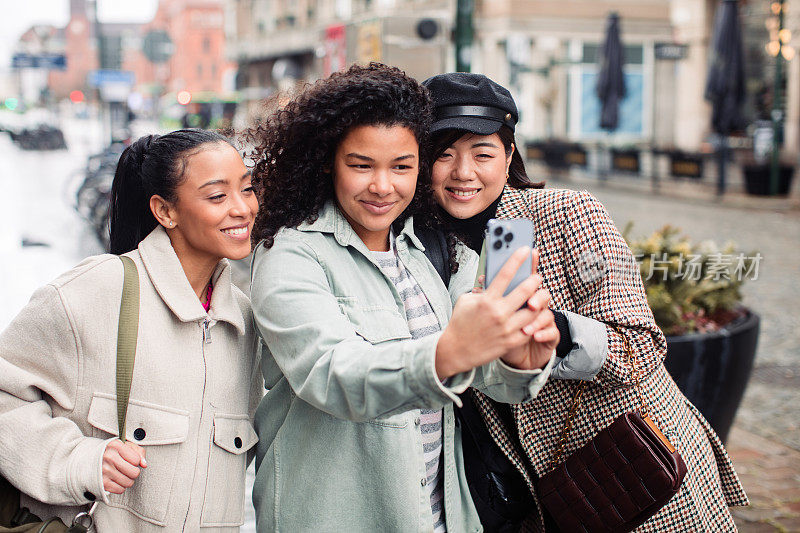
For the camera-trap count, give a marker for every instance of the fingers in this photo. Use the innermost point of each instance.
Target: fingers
(121, 462)
(522, 293)
(113, 474)
(540, 300)
(549, 335)
(132, 453)
(139, 450)
(507, 271)
(534, 261)
(112, 487)
(124, 467)
(543, 320)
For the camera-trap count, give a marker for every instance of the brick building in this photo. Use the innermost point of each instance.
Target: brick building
(197, 65)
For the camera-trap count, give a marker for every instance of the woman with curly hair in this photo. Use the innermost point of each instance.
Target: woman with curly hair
(368, 354)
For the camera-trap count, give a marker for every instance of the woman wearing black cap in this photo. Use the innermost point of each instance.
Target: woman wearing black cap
(598, 300)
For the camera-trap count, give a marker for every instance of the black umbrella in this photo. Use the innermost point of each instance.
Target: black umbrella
(725, 82)
(610, 82)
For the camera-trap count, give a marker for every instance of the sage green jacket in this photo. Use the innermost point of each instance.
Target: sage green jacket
(339, 437)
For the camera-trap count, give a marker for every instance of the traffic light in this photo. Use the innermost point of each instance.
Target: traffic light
(76, 97)
(11, 103)
(184, 97)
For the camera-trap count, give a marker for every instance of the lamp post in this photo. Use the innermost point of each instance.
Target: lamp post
(464, 34)
(779, 48)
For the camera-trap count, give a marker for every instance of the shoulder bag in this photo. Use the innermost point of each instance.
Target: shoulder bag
(16, 519)
(624, 475)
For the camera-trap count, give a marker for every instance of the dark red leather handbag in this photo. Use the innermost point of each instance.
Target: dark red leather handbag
(618, 479)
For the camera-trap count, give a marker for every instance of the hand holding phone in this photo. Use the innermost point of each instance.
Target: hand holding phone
(489, 324)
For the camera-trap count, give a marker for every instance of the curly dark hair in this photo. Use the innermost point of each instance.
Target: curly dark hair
(294, 148)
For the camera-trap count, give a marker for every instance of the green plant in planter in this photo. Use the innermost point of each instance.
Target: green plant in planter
(691, 287)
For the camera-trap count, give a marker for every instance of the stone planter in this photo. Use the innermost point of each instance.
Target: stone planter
(757, 179)
(712, 369)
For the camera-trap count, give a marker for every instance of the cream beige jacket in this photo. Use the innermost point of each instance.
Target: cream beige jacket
(195, 388)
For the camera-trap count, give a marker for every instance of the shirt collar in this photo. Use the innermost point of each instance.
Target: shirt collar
(331, 220)
(167, 275)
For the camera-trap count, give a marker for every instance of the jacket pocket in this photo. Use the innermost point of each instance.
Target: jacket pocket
(374, 323)
(223, 505)
(158, 429)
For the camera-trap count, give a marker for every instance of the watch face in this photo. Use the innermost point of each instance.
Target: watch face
(77, 27)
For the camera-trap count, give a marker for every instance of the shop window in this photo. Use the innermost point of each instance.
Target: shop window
(584, 104)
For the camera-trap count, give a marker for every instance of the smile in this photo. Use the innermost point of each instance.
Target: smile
(378, 208)
(241, 232)
(462, 194)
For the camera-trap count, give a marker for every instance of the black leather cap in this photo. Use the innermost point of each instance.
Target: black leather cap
(470, 102)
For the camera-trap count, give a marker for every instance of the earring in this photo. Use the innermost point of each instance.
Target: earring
(170, 223)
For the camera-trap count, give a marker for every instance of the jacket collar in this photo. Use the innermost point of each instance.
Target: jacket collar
(168, 278)
(514, 203)
(331, 220)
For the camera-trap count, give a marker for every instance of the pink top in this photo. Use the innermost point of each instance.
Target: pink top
(207, 303)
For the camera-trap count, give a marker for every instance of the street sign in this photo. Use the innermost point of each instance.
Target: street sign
(158, 47)
(98, 78)
(671, 51)
(45, 61)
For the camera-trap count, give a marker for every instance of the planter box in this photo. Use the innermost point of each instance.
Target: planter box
(757, 179)
(556, 154)
(712, 369)
(685, 165)
(625, 160)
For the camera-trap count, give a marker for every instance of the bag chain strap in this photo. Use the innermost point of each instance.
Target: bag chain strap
(562, 441)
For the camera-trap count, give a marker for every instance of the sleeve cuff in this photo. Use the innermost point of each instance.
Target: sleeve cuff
(428, 384)
(589, 349)
(85, 471)
(532, 380)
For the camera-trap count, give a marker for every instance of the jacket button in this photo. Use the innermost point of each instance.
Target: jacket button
(423, 482)
(237, 442)
(416, 421)
(139, 434)
(89, 496)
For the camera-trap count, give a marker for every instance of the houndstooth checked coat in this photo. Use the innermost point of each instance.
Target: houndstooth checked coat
(589, 270)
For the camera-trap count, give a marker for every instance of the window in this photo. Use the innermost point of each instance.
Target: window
(584, 105)
(206, 45)
(199, 71)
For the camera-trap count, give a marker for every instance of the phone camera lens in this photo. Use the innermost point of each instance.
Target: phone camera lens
(509, 237)
(498, 231)
(498, 244)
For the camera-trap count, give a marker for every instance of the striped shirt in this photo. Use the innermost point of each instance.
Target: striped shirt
(421, 322)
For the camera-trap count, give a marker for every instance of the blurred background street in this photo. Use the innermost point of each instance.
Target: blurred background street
(702, 140)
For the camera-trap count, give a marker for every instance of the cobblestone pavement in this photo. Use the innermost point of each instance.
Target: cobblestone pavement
(770, 473)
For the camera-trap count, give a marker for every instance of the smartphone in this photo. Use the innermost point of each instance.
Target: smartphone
(503, 238)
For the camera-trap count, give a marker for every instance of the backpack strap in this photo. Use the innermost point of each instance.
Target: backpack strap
(435, 245)
(126, 339)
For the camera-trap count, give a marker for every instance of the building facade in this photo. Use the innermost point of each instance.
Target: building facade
(545, 51)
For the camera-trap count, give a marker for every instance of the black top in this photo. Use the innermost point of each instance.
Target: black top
(472, 230)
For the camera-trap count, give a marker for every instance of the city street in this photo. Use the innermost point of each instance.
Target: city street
(765, 443)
